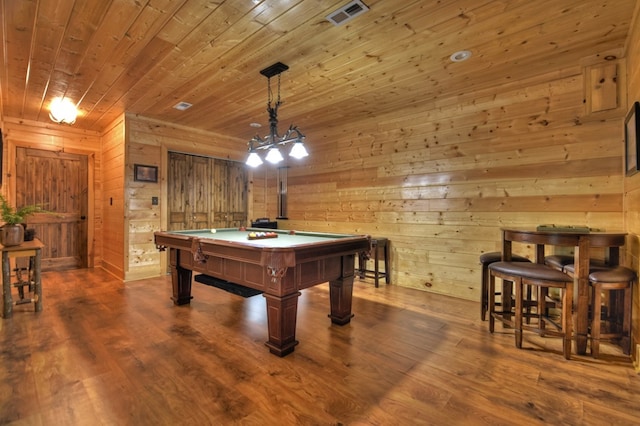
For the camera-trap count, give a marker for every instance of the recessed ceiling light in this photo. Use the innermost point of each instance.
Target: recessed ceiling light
(181, 106)
(255, 125)
(460, 56)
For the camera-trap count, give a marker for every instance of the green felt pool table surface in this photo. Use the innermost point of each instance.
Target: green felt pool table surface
(285, 238)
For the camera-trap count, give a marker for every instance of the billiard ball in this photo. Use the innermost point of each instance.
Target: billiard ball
(213, 231)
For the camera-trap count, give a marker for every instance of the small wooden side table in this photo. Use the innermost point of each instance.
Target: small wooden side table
(26, 249)
(379, 246)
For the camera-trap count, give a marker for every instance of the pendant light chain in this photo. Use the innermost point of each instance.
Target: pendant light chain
(279, 88)
(270, 93)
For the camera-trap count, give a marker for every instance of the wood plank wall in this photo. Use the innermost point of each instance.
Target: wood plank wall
(142, 218)
(440, 179)
(632, 183)
(55, 137)
(113, 242)
(148, 143)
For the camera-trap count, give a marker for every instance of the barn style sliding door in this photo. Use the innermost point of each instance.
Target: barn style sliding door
(205, 192)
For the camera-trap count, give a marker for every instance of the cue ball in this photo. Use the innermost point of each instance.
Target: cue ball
(213, 231)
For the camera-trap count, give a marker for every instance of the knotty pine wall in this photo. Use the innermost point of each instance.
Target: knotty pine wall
(148, 143)
(56, 137)
(632, 183)
(440, 179)
(113, 182)
(142, 216)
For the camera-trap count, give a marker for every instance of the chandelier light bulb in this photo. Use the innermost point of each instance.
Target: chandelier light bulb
(298, 151)
(254, 160)
(274, 156)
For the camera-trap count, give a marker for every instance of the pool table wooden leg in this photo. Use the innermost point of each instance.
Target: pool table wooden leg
(341, 295)
(282, 312)
(180, 279)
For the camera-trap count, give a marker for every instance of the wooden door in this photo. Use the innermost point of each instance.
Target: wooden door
(205, 192)
(189, 188)
(200, 184)
(58, 182)
(230, 194)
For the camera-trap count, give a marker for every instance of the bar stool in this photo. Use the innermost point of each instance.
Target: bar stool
(541, 278)
(379, 246)
(486, 259)
(570, 269)
(565, 263)
(503, 271)
(558, 261)
(618, 279)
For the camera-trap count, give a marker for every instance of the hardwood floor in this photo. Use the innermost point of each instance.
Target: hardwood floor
(107, 353)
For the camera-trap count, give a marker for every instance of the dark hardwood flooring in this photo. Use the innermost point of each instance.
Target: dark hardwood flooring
(109, 353)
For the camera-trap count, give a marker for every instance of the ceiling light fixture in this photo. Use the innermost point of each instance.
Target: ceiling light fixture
(460, 56)
(272, 141)
(62, 110)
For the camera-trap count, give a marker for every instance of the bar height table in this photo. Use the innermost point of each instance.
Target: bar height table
(582, 241)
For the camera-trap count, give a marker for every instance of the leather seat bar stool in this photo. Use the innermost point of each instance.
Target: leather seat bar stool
(570, 269)
(558, 261)
(379, 247)
(540, 278)
(543, 280)
(619, 279)
(509, 278)
(485, 260)
(565, 263)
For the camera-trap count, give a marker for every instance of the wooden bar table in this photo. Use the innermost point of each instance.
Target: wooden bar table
(26, 249)
(582, 241)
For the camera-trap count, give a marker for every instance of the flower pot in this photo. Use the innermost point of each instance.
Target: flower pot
(11, 235)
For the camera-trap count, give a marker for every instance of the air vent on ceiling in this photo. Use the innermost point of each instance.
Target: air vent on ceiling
(181, 106)
(347, 12)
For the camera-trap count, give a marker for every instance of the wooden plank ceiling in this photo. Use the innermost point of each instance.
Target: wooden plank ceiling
(144, 56)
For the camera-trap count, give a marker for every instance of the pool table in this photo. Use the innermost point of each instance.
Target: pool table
(279, 267)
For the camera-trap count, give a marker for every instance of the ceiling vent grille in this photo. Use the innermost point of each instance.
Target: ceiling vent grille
(181, 106)
(347, 12)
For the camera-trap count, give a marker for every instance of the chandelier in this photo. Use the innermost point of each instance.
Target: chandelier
(271, 143)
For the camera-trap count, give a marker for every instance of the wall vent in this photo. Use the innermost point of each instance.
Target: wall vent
(181, 106)
(347, 12)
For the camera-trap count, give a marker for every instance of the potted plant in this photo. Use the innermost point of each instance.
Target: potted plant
(12, 232)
